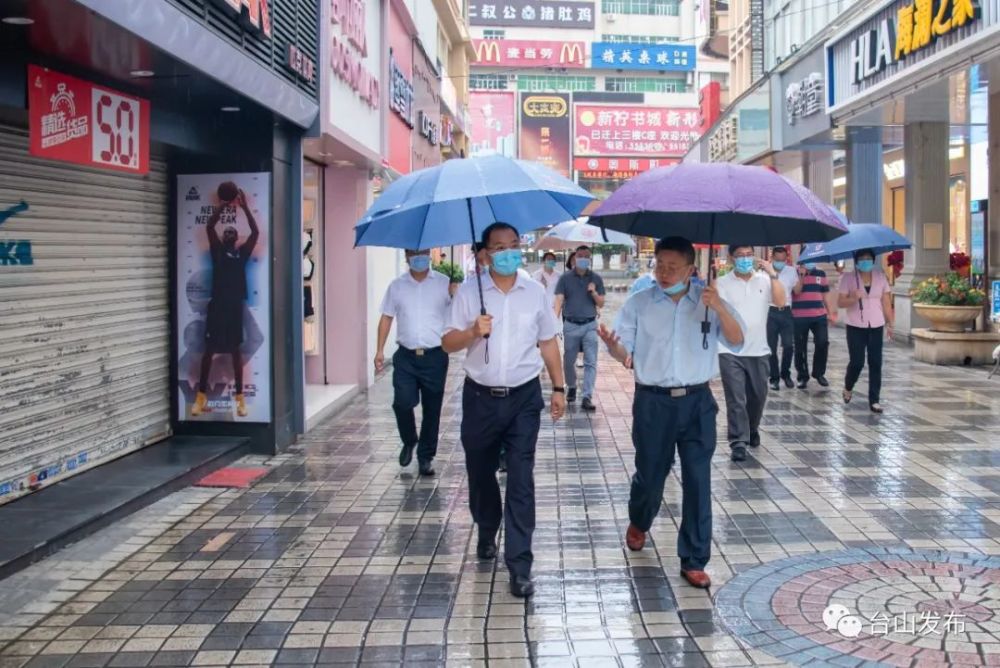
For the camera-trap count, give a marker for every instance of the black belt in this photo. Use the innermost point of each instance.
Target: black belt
(420, 352)
(780, 309)
(500, 392)
(580, 321)
(675, 392)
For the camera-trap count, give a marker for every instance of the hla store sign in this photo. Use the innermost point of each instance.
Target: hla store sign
(897, 37)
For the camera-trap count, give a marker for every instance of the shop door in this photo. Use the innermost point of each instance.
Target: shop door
(84, 316)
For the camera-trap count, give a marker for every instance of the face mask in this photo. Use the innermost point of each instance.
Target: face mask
(811, 266)
(583, 263)
(419, 263)
(676, 288)
(866, 265)
(744, 265)
(507, 262)
(550, 264)
(778, 265)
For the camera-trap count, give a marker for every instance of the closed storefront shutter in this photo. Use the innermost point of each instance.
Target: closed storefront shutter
(84, 316)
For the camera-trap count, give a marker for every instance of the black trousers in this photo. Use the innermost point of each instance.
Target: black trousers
(821, 340)
(661, 426)
(859, 341)
(419, 379)
(490, 423)
(781, 326)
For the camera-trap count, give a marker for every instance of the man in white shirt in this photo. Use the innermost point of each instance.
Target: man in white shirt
(502, 398)
(548, 276)
(419, 301)
(745, 370)
(780, 324)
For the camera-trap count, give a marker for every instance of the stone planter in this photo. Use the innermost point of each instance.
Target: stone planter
(948, 318)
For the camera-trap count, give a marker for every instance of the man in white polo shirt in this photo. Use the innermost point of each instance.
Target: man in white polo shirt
(419, 301)
(745, 373)
(502, 399)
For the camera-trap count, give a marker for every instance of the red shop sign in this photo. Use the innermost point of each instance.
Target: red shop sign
(76, 121)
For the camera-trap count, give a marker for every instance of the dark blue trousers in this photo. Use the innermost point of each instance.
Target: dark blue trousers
(661, 425)
(488, 424)
(419, 379)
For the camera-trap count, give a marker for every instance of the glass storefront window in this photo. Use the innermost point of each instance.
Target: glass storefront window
(312, 260)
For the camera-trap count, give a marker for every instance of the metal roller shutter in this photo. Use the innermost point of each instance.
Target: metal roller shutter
(84, 329)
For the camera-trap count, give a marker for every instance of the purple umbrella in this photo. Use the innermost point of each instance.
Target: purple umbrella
(719, 203)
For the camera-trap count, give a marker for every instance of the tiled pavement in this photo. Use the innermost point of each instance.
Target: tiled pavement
(338, 557)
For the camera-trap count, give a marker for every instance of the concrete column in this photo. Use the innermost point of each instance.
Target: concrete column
(925, 151)
(993, 153)
(864, 174)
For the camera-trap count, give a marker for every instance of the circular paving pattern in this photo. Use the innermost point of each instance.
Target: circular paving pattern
(885, 606)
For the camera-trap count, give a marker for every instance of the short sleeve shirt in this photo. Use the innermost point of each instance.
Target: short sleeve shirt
(866, 312)
(419, 307)
(577, 302)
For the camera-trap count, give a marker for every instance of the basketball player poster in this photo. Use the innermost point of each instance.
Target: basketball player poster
(223, 297)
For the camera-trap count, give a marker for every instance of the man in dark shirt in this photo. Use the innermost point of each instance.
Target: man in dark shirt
(810, 311)
(579, 294)
(224, 321)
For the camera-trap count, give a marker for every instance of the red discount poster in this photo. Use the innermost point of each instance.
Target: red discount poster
(76, 121)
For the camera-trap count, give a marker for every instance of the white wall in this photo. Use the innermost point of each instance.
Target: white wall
(426, 18)
(383, 265)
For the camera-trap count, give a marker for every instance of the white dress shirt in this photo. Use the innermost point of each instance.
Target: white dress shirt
(549, 282)
(419, 307)
(788, 277)
(750, 299)
(521, 320)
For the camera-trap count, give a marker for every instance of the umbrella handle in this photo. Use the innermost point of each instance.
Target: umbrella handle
(706, 326)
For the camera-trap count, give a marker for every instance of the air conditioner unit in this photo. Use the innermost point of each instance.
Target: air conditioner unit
(610, 18)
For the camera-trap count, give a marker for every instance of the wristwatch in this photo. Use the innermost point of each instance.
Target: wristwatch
(558, 389)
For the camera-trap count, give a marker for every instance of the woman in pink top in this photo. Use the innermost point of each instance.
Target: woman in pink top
(866, 295)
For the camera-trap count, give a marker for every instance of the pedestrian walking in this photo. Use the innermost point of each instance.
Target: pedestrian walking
(548, 276)
(502, 396)
(418, 301)
(811, 312)
(658, 334)
(780, 324)
(745, 368)
(867, 296)
(579, 295)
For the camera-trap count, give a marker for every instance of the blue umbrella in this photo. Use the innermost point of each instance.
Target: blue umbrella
(455, 201)
(860, 236)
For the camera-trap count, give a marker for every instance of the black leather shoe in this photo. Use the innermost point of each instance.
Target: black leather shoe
(570, 394)
(788, 382)
(521, 586)
(775, 385)
(426, 468)
(406, 454)
(503, 464)
(803, 384)
(487, 550)
(588, 405)
(823, 382)
(738, 453)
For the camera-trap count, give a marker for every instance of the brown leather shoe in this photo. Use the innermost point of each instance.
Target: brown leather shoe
(634, 538)
(697, 579)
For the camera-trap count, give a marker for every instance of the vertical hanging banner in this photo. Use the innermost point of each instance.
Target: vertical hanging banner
(545, 133)
(73, 120)
(223, 298)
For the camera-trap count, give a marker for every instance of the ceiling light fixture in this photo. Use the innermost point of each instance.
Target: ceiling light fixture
(142, 73)
(17, 20)
(230, 109)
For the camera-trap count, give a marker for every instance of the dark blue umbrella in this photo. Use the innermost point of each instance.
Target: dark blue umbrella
(860, 236)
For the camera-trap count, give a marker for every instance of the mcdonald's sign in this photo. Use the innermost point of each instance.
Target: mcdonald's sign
(530, 53)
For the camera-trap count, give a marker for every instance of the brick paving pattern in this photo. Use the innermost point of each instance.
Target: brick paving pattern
(337, 557)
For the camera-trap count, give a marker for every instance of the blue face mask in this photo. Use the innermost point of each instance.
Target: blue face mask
(507, 262)
(419, 263)
(866, 265)
(583, 263)
(550, 264)
(675, 289)
(811, 266)
(744, 265)
(778, 265)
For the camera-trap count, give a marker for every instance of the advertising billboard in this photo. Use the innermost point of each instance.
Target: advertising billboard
(545, 131)
(492, 123)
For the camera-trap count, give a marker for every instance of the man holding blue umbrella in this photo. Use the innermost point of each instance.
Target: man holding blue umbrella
(502, 399)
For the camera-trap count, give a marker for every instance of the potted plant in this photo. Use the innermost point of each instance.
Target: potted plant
(895, 262)
(949, 303)
(451, 270)
(961, 263)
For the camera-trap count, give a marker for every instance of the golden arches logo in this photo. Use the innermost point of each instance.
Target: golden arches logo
(488, 51)
(571, 52)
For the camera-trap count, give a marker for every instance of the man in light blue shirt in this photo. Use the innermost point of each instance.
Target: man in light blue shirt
(659, 334)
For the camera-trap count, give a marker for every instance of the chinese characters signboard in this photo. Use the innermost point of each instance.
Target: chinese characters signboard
(723, 143)
(804, 98)
(533, 13)
(661, 57)
(634, 130)
(617, 168)
(756, 39)
(491, 123)
(75, 121)
(545, 131)
(898, 36)
(529, 53)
